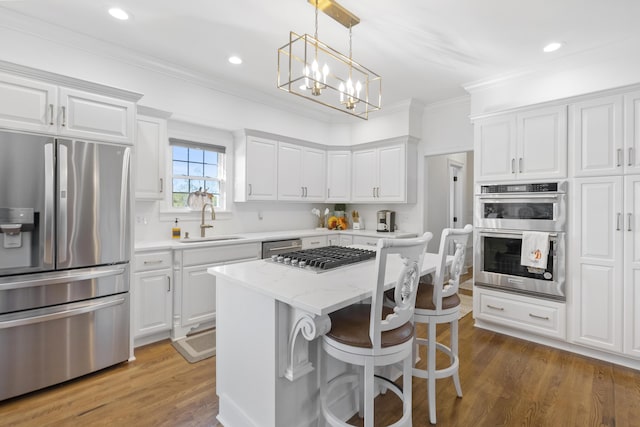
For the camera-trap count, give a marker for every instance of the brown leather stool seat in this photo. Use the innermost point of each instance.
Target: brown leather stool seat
(350, 326)
(424, 299)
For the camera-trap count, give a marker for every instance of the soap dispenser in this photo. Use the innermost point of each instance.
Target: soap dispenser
(175, 231)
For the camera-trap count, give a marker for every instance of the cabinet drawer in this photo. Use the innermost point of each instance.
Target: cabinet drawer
(220, 254)
(152, 260)
(530, 314)
(369, 241)
(314, 242)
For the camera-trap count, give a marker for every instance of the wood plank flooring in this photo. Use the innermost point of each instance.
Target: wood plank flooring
(505, 381)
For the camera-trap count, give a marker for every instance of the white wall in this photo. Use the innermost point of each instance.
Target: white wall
(599, 69)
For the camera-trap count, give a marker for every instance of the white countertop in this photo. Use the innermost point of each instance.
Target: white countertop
(317, 293)
(264, 236)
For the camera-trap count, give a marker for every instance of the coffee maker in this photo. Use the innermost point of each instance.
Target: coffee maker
(386, 221)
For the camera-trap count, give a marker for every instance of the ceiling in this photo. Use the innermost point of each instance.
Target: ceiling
(423, 49)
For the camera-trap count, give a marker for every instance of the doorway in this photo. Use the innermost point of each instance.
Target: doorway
(448, 196)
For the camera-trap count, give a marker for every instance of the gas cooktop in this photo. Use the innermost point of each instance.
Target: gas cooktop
(324, 259)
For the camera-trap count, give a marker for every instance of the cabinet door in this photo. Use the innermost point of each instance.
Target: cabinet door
(364, 175)
(597, 137)
(495, 149)
(198, 295)
(542, 144)
(314, 169)
(632, 266)
(632, 132)
(338, 176)
(391, 174)
(597, 263)
(153, 299)
(151, 141)
(290, 186)
(87, 115)
(27, 104)
(262, 161)
(345, 240)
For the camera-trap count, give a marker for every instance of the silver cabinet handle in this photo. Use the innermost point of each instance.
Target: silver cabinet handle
(374, 191)
(168, 283)
(377, 191)
(538, 317)
(631, 159)
(157, 261)
(520, 165)
(629, 217)
(64, 116)
(305, 192)
(161, 185)
(618, 221)
(619, 151)
(495, 308)
(513, 163)
(328, 193)
(50, 114)
(250, 189)
(301, 191)
(371, 244)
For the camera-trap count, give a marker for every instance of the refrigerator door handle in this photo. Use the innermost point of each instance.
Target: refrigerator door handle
(60, 277)
(58, 313)
(49, 207)
(63, 170)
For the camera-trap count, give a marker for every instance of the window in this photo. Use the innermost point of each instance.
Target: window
(197, 174)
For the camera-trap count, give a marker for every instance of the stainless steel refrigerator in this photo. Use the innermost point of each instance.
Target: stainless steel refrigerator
(64, 259)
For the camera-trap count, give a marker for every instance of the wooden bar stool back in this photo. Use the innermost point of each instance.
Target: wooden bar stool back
(437, 302)
(371, 336)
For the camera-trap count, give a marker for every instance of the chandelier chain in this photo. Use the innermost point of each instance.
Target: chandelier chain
(316, 33)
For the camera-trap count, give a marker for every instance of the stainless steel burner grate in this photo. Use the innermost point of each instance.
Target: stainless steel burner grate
(323, 259)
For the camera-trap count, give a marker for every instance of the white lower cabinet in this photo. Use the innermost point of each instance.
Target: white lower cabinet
(195, 299)
(543, 317)
(314, 242)
(152, 296)
(368, 241)
(606, 264)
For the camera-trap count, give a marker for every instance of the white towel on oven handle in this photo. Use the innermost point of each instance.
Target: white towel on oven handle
(535, 249)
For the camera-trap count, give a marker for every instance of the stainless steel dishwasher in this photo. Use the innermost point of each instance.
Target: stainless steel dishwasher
(277, 247)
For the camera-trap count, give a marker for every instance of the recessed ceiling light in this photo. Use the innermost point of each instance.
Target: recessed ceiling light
(118, 13)
(552, 47)
(235, 60)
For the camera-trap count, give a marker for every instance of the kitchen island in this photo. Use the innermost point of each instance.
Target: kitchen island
(269, 317)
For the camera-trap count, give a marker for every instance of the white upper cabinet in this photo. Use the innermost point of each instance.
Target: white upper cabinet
(339, 176)
(27, 104)
(88, 115)
(50, 104)
(151, 144)
(495, 148)
(256, 169)
(384, 174)
(632, 132)
(301, 173)
(531, 145)
(597, 137)
(364, 173)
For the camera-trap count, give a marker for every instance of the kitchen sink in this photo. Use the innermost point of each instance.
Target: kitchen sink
(209, 239)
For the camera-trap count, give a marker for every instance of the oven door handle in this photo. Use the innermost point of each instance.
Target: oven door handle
(503, 233)
(519, 197)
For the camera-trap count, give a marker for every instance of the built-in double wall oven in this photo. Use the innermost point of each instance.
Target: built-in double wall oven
(503, 214)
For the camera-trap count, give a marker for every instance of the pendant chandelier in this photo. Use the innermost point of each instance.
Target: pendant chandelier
(313, 70)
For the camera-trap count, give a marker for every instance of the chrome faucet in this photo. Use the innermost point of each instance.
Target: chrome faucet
(204, 226)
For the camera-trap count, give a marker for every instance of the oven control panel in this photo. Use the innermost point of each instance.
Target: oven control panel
(541, 187)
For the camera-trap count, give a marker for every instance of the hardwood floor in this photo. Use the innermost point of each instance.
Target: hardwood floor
(505, 381)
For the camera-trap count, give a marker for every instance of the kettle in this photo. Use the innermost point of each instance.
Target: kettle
(386, 221)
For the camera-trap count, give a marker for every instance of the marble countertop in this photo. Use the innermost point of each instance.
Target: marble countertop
(317, 293)
(264, 236)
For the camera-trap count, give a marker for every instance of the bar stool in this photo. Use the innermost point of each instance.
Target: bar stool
(373, 335)
(438, 302)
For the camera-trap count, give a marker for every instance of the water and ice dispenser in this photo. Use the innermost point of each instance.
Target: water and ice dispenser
(16, 230)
